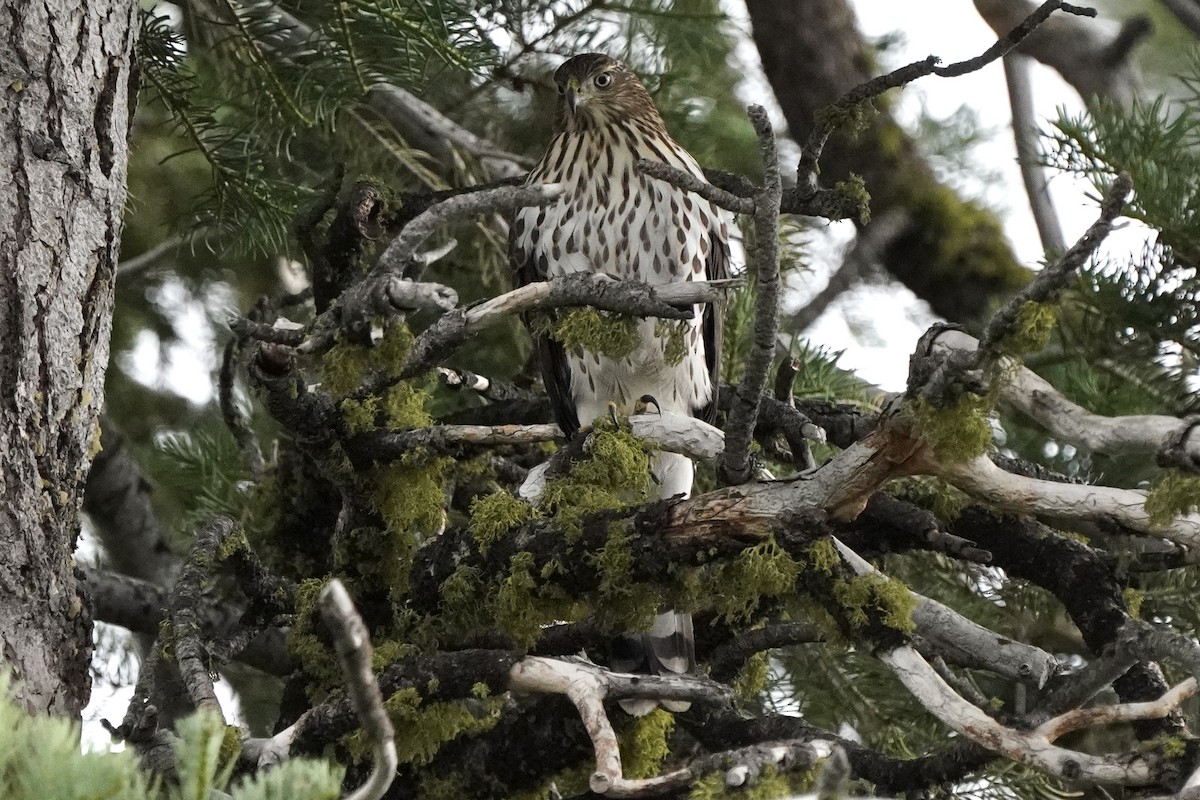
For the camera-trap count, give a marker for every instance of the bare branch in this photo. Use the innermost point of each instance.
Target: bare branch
(353, 646)
(1066, 503)
(1025, 135)
(403, 248)
(1175, 441)
(1024, 746)
(1077, 51)
(962, 641)
(814, 146)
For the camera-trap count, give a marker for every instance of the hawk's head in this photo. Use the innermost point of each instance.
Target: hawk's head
(597, 90)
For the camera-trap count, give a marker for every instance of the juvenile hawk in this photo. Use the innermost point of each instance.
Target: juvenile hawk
(614, 220)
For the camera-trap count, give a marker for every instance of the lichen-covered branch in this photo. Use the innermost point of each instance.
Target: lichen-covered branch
(668, 301)
(185, 602)
(735, 466)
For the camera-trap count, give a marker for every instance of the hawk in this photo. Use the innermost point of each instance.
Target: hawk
(612, 219)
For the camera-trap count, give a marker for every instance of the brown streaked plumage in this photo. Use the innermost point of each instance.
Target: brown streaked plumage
(614, 220)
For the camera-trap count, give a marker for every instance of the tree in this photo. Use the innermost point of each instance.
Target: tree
(66, 115)
(377, 464)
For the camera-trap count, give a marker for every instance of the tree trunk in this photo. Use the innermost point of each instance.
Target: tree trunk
(68, 94)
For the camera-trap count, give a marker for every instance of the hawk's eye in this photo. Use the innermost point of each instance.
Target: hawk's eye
(603, 80)
(561, 90)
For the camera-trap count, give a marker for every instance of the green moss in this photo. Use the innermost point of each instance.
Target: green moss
(343, 368)
(615, 475)
(522, 605)
(496, 514)
(765, 570)
(236, 542)
(460, 608)
(1031, 332)
(822, 556)
(360, 415)
(622, 603)
(1133, 599)
(854, 189)
(674, 334)
(597, 331)
(645, 744)
(961, 238)
(889, 599)
(957, 433)
(411, 500)
(405, 407)
(751, 680)
(231, 748)
(771, 784)
(1169, 746)
(945, 501)
(1172, 495)
(317, 659)
(422, 728)
(481, 691)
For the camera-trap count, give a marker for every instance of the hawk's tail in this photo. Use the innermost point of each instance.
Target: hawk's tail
(669, 647)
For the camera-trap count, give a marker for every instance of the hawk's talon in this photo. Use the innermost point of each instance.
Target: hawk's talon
(646, 400)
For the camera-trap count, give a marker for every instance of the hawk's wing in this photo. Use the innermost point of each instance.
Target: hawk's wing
(529, 265)
(716, 269)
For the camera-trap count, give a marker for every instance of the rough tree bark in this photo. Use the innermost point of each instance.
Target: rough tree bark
(68, 93)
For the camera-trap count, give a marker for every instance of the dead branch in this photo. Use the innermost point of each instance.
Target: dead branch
(353, 646)
(1025, 136)
(1028, 747)
(1175, 441)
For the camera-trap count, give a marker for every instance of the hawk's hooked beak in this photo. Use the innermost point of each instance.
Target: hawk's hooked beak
(573, 99)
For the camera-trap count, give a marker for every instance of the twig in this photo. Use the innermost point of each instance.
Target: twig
(353, 646)
(814, 146)
(150, 257)
(725, 661)
(735, 466)
(1025, 135)
(185, 601)
(1050, 281)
